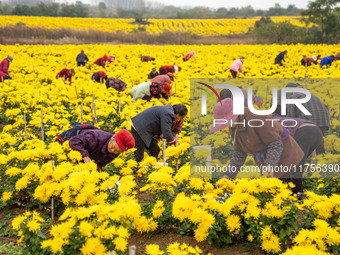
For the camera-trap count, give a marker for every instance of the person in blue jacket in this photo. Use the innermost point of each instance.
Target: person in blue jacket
(327, 61)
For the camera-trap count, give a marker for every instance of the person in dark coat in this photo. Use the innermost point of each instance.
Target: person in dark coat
(147, 58)
(4, 66)
(308, 136)
(95, 144)
(320, 115)
(82, 59)
(281, 57)
(153, 74)
(99, 76)
(155, 121)
(66, 74)
(277, 111)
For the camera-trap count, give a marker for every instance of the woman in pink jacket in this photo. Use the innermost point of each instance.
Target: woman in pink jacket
(236, 67)
(186, 57)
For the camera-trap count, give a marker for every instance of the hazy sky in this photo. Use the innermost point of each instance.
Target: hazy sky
(256, 4)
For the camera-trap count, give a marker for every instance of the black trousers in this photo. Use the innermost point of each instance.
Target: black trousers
(308, 138)
(153, 150)
(321, 148)
(233, 73)
(147, 98)
(278, 62)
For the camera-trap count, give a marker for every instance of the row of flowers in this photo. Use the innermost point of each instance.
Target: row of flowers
(98, 211)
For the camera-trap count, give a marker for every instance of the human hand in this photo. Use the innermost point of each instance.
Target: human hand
(268, 170)
(87, 160)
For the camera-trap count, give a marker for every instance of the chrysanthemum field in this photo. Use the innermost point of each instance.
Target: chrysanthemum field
(94, 215)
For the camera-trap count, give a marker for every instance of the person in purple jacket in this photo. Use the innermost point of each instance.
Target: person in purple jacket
(99, 76)
(97, 145)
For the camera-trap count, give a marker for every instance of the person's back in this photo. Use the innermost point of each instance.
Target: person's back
(320, 115)
(4, 65)
(326, 61)
(156, 120)
(162, 79)
(337, 56)
(147, 58)
(141, 90)
(189, 55)
(82, 59)
(308, 61)
(236, 66)
(280, 57)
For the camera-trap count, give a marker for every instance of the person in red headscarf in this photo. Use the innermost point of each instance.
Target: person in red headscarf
(102, 61)
(148, 90)
(99, 76)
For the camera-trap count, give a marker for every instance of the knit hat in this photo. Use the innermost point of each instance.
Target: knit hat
(105, 57)
(82, 50)
(72, 70)
(223, 112)
(125, 140)
(102, 74)
(167, 87)
(153, 69)
(10, 58)
(111, 59)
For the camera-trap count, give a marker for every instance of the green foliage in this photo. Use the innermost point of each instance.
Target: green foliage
(102, 10)
(10, 248)
(324, 14)
(74, 11)
(281, 33)
(51, 10)
(6, 230)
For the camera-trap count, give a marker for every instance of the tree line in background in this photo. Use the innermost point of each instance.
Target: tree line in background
(323, 16)
(129, 9)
